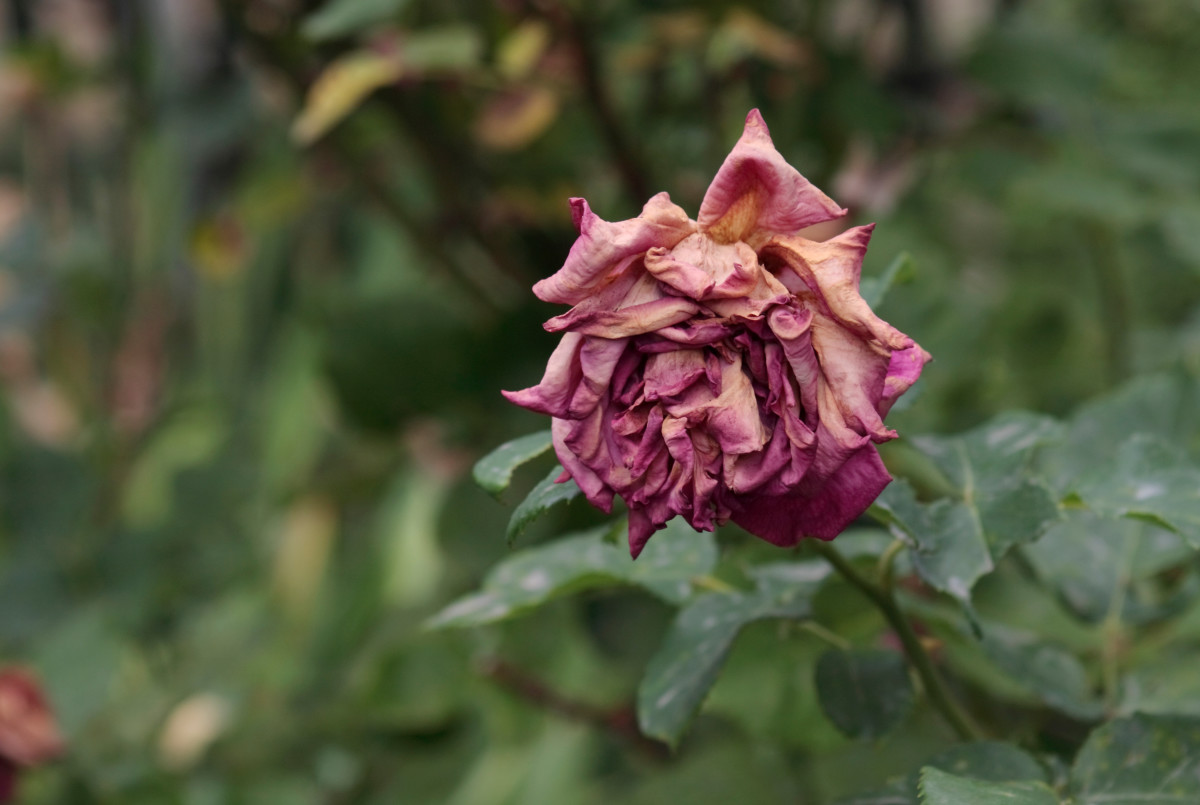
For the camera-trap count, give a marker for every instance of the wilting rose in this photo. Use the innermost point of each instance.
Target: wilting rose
(28, 733)
(724, 368)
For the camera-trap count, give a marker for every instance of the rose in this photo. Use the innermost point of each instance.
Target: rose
(724, 368)
(28, 733)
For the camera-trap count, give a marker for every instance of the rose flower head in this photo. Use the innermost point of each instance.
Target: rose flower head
(29, 735)
(724, 368)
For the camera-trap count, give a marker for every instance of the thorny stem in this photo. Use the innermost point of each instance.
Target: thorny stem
(885, 600)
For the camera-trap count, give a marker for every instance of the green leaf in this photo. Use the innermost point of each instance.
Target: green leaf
(941, 788)
(1141, 759)
(874, 289)
(1093, 561)
(995, 761)
(986, 458)
(1163, 405)
(450, 48)
(1051, 673)
(1151, 480)
(1014, 664)
(343, 17)
(950, 550)
(992, 469)
(1181, 225)
(1166, 684)
(990, 761)
(78, 661)
(494, 471)
(669, 562)
(685, 667)
(996, 502)
(543, 496)
(864, 692)
(1017, 514)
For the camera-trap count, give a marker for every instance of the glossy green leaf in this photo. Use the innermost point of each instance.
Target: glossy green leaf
(494, 471)
(543, 497)
(1138, 760)
(687, 663)
(1151, 480)
(941, 788)
(865, 692)
(669, 562)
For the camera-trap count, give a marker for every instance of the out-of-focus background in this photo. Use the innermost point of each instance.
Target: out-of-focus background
(265, 266)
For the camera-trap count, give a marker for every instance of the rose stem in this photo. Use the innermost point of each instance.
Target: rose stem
(883, 596)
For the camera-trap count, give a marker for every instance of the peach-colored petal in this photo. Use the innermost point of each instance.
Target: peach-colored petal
(828, 274)
(603, 246)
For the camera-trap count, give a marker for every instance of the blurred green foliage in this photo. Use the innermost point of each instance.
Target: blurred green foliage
(264, 266)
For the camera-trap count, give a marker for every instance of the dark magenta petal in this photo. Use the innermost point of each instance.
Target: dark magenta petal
(822, 511)
(903, 370)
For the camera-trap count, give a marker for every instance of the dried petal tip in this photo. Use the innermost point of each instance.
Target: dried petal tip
(756, 193)
(756, 127)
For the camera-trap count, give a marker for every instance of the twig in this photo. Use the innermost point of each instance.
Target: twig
(630, 165)
(620, 722)
(283, 56)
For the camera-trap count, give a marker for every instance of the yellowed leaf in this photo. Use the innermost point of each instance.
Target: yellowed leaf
(515, 118)
(219, 248)
(302, 552)
(520, 52)
(743, 33)
(339, 90)
(681, 29)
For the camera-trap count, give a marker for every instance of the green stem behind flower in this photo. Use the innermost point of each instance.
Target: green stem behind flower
(883, 597)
